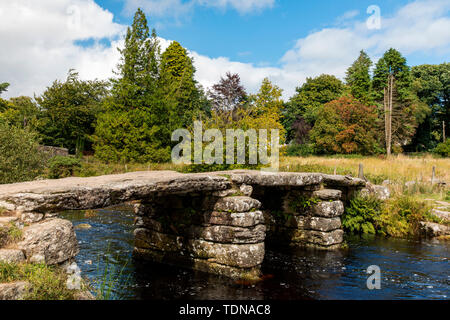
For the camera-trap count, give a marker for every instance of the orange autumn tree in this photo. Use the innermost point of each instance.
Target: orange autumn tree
(346, 126)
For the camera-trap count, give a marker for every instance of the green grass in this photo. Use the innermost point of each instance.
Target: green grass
(46, 282)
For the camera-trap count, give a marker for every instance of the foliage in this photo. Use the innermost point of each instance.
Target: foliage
(69, 110)
(21, 112)
(300, 150)
(309, 99)
(408, 111)
(360, 215)
(228, 94)
(358, 78)
(345, 126)
(46, 282)
(63, 167)
(401, 215)
(20, 158)
(431, 83)
(134, 126)
(4, 87)
(443, 149)
(179, 88)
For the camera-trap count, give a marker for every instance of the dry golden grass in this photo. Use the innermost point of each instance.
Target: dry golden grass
(399, 168)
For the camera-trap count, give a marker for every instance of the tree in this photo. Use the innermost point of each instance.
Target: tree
(179, 88)
(20, 157)
(228, 94)
(358, 78)
(431, 83)
(402, 111)
(68, 111)
(134, 126)
(4, 87)
(22, 112)
(309, 99)
(346, 126)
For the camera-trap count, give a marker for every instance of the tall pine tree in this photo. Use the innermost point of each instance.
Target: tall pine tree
(178, 87)
(358, 78)
(134, 124)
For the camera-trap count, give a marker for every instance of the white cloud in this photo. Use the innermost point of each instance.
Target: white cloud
(38, 44)
(38, 37)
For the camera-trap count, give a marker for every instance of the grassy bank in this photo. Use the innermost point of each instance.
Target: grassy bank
(45, 282)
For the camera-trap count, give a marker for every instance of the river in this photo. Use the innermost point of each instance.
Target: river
(409, 269)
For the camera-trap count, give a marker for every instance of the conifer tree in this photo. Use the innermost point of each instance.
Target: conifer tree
(358, 78)
(134, 125)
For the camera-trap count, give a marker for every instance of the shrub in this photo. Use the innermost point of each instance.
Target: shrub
(300, 150)
(360, 215)
(20, 158)
(400, 217)
(62, 167)
(443, 149)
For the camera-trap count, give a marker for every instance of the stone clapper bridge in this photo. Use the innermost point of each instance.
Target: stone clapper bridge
(212, 222)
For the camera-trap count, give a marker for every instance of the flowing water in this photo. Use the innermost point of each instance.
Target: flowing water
(409, 269)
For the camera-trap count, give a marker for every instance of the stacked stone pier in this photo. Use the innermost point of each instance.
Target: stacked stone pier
(212, 222)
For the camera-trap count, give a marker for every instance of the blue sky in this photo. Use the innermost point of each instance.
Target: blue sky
(284, 40)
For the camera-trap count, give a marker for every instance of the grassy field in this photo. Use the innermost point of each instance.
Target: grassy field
(377, 169)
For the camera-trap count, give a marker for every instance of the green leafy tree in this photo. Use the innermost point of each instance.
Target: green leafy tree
(309, 100)
(346, 126)
(20, 157)
(358, 78)
(431, 83)
(134, 126)
(22, 112)
(4, 87)
(68, 111)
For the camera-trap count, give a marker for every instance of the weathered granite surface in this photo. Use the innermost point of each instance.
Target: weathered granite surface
(212, 222)
(52, 241)
(13, 291)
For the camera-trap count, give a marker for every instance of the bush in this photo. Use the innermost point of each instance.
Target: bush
(360, 215)
(62, 167)
(300, 150)
(20, 158)
(443, 149)
(400, 217)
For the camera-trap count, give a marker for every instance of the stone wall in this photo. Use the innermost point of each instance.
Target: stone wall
(210, 232)
(225, 232)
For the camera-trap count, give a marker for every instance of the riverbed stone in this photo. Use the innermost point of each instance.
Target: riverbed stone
(13, 290)
(51, 241)
(433, 230)
(11, 255)
(325, 239)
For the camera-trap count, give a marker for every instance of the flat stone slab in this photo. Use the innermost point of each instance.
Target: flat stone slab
(98, 192)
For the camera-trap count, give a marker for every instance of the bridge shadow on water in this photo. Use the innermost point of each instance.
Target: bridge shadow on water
(410, 270)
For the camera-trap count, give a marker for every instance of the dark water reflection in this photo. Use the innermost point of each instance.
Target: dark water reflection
(410, 269)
